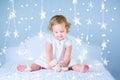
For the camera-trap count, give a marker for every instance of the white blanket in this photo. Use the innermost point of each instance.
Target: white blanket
(96, 72)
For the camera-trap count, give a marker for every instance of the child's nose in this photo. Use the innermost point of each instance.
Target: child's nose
(60, 34)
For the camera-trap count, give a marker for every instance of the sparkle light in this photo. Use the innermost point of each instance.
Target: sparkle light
(75, 2)
(77, 21)
(104, 45)
(89, 21)
(7, 34)
(42, 15)
(15, 34)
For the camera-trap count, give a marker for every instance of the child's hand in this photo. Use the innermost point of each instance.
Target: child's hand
(52, 64)
(62, 64)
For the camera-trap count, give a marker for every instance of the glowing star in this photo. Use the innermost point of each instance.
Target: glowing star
(104, 45)
(7, 34)
(77, 21)
(78, 41)
(74, 1)
(12, 15)
(105, 62)
(42, 15)
(15, 34)
(4, 49)
(89, 21)
(103, 25)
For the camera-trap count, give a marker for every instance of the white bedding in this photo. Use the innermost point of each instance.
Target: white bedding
(33, 47)
(96, 72)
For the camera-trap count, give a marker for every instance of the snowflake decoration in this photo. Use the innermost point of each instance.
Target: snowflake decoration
(78, 41)
(102, 6)
(15, 34)
(103, 25)
(104, 45)
(43, 15)
(12, 15)
(89, 21)
(7, 34)
(105, 62)
(4, 49)
(77, 21)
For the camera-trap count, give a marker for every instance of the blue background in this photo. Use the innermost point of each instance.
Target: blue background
(28, 23)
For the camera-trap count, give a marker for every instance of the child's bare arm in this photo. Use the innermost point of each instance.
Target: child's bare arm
(67, 57)
(49, 52)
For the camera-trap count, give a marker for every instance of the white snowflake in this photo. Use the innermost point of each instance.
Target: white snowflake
(4, 50)
(15, 34)
(105, 62)
(43, 15)
(103, 6)
(77, 21)
(12, 15)
(104, 45)
(89, 21)
(7, 34)
(103, 25)
(78, 41)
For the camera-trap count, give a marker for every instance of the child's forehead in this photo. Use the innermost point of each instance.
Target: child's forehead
(62, 23)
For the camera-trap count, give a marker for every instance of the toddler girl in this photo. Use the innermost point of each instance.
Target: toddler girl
(58, 47)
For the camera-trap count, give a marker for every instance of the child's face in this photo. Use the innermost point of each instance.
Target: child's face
(59, 31)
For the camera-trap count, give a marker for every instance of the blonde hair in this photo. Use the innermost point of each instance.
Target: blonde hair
(58, 19)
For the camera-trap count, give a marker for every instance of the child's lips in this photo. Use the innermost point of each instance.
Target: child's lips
(60, 37)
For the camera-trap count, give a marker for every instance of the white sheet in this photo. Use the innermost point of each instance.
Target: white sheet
(96, 72)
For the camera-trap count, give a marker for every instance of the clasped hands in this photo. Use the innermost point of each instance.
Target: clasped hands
(57, 66)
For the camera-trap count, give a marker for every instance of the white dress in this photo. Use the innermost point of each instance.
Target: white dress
(58, 50)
